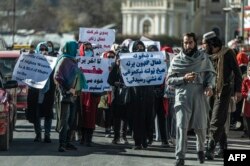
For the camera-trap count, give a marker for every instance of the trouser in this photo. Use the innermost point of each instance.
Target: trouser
(236, 116)
(120, 128)
(181, 141)
(67, 122)
(171, 120)
(120, 120)
(159, 111)
(248, 126)
(108, 118)
(143, 121)
(87, 134)
(219, 114)
(37, 123)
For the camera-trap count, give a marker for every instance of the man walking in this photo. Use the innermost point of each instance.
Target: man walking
(193, 76)
(228, 80)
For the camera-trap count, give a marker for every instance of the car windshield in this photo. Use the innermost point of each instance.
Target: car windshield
(7, 66)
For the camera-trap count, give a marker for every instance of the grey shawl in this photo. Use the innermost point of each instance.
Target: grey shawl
(182, 64)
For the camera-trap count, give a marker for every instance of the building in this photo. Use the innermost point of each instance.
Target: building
(175, 17)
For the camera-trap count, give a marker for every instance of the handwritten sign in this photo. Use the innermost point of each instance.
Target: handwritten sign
(96, 71)
(33, 69)
(143, 68)
(102, 39)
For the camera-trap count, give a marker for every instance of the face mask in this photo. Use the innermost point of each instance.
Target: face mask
(49, 49)
(77, 52)
(88, 53)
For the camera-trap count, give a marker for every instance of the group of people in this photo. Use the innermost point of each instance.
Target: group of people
(195, 95)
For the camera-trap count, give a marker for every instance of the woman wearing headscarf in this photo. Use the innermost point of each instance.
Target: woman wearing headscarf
(49, 98)
(69, 81)
(158, 110)
(40, 102)
(120, 110)
(89, 103)
(142, 105)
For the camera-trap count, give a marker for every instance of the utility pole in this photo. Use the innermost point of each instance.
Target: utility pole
(13, 22)
(242, 19)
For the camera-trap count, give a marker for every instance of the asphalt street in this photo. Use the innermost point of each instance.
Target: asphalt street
(25, 152)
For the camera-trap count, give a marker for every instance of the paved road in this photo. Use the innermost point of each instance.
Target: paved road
(24, 152)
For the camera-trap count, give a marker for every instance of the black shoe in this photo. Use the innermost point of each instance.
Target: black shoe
(244, 135)
(179, 162)
(150, 142)
(124, 141)
(201, 156)
(47, 139)
(88, 144)
(38, 138)
(70, 146)
(82, 141)
(62, 148)
(115, 141)
(210, 154)
(210, 150)
(145, 145)
(137, 147)
(165, 144)
(220, 153)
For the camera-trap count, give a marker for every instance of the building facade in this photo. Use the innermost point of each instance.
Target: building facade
(175, 17)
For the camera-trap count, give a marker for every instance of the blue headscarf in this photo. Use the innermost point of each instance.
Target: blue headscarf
(39, 45)
(70, 49)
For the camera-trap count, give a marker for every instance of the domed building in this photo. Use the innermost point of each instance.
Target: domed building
(174, 17)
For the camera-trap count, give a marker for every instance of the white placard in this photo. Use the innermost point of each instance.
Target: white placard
(34, 69)
(96, 71)
(143, 68)
(102, 39)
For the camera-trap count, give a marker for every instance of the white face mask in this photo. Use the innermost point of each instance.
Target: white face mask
(49, 49)
(88, 53)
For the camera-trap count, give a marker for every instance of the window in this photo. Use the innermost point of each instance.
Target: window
(146, 27)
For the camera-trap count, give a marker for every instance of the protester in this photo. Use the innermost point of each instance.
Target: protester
(48, 101)
(228, 74)
(159, 110)
(120, 110)
(142, 108)
(89, 102)
(40, 102)
(246, 100)
(169, 95)
(242, 61)
(105, 100)
(192, 74)
(69, 81)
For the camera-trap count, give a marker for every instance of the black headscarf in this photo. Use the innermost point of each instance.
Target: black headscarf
(136, 43)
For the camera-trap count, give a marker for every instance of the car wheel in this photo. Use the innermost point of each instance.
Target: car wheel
(4, 139)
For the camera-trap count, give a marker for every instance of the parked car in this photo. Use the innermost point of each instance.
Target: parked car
(7, 112)
(7, 63)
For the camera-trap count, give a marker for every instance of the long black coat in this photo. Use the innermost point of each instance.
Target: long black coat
(46, 108)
